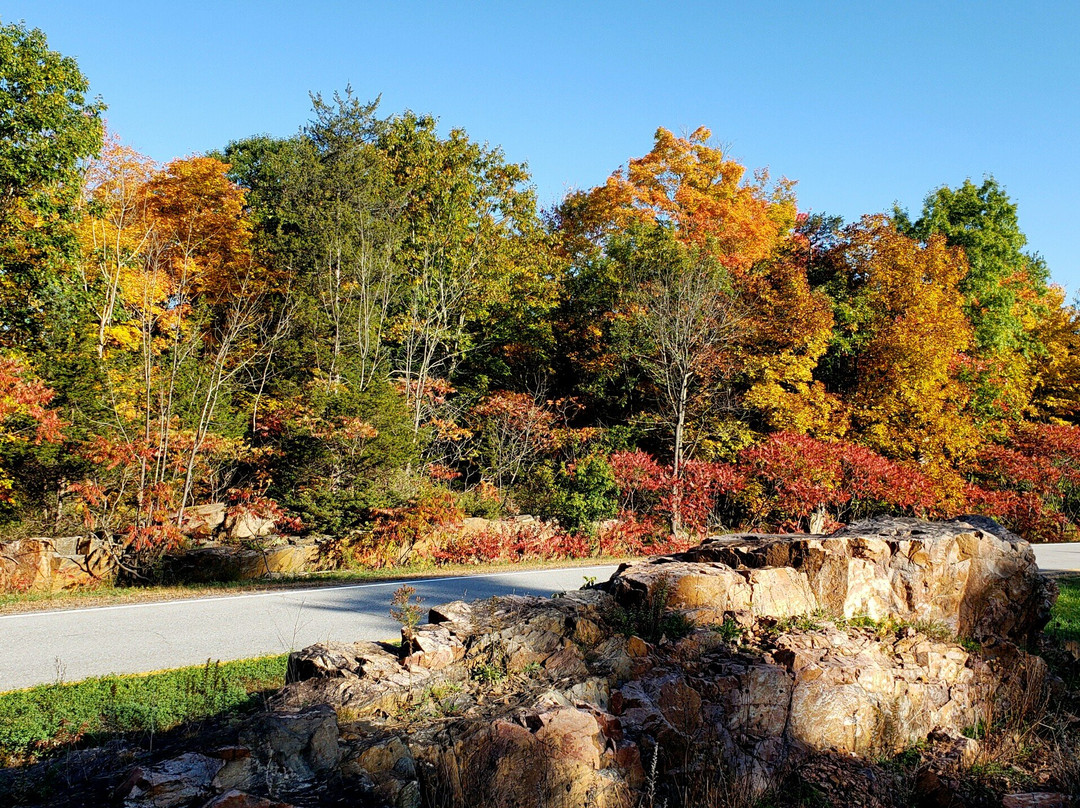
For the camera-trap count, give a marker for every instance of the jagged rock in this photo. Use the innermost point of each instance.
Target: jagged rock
(556, 702)
(337, 660)
(226, 563)
(25, 564)
(240, 799)
(969, 574)
(203, 521)
(174, 783)
(956, 752)
(457, 612)
(1035, 800)
(391, 769)
(294, 747)
(435, 647)
(245, 525)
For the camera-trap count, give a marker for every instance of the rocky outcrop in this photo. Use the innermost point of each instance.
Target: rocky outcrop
(727, 667)
(240, 563)
(968, 574)
(49, 564)
(276, 753)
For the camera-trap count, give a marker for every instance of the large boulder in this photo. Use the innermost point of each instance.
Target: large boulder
(968, 574)
(812, 654)
(26, 564)
(236, 563)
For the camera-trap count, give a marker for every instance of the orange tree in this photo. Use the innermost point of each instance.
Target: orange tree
(688, 280)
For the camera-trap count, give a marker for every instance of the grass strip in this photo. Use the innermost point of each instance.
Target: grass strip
(47, 718)
(1065, 619)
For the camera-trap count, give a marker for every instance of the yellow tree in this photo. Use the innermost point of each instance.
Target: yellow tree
(114, 231)
(182, 314)
(1056, 396)
(908, 336)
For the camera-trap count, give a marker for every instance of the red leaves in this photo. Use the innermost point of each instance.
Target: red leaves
(24, 397)
(648, 487)
(796, 475)
(778, 483)
(1033, 484)
(532, 542)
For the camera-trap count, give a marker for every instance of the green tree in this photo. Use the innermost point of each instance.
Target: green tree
(983, 221)
(47, 126)
(1005, 290)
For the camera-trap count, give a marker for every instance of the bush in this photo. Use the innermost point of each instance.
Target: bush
(577, 495)
(481, 501)
(530, 542)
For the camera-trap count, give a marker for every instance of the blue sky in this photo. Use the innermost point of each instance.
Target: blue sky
(862, 103)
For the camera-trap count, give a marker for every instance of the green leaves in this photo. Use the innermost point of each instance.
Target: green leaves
(46, 127)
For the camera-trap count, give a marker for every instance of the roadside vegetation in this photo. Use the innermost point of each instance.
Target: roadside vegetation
(369, 330)
(45, 720)
(1065, 624)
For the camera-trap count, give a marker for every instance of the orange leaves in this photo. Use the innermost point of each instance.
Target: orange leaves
(700, 193)
(202, 235)
(160, 238)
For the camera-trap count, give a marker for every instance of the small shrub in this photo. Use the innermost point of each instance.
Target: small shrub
(488, 673)
(729, 631)
(481, 501)
(408, 612)
(652, 620)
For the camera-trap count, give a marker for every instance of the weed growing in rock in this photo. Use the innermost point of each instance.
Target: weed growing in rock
(407, 611)
(488, 673)
(729, 631)
(438, 701)
(798, 622)
(651, 619)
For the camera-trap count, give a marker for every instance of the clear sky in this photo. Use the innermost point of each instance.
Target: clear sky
(862, 103)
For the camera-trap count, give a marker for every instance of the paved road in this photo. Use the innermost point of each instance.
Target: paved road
(1058, 558)
(68, 645)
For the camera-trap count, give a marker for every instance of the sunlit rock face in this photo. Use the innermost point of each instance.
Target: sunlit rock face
(723, 668)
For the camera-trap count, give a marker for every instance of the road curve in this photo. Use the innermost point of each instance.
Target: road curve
(44, 647)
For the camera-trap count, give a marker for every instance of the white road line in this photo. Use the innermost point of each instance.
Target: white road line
(305, 589)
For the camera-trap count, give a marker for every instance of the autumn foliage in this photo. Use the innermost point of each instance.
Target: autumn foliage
(368, 331)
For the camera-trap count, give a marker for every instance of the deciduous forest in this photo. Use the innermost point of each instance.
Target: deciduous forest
(370, 329)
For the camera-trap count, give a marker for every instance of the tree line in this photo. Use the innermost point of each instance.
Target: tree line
(369, 328)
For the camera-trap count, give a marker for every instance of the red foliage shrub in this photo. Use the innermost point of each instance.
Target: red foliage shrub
(512, 543)
(397, 530)
(646, 487)
(791, 476)
(1025, 513)
(639, 535)
(1033, 484)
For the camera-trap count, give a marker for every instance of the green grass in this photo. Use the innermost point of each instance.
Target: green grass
(1065, 619)
(49, 718)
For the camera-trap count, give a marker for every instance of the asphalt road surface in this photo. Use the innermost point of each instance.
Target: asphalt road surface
(42, 647)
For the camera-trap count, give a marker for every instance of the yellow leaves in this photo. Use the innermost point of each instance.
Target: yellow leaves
(124, 336)
(1057, 370)
(908, 402)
